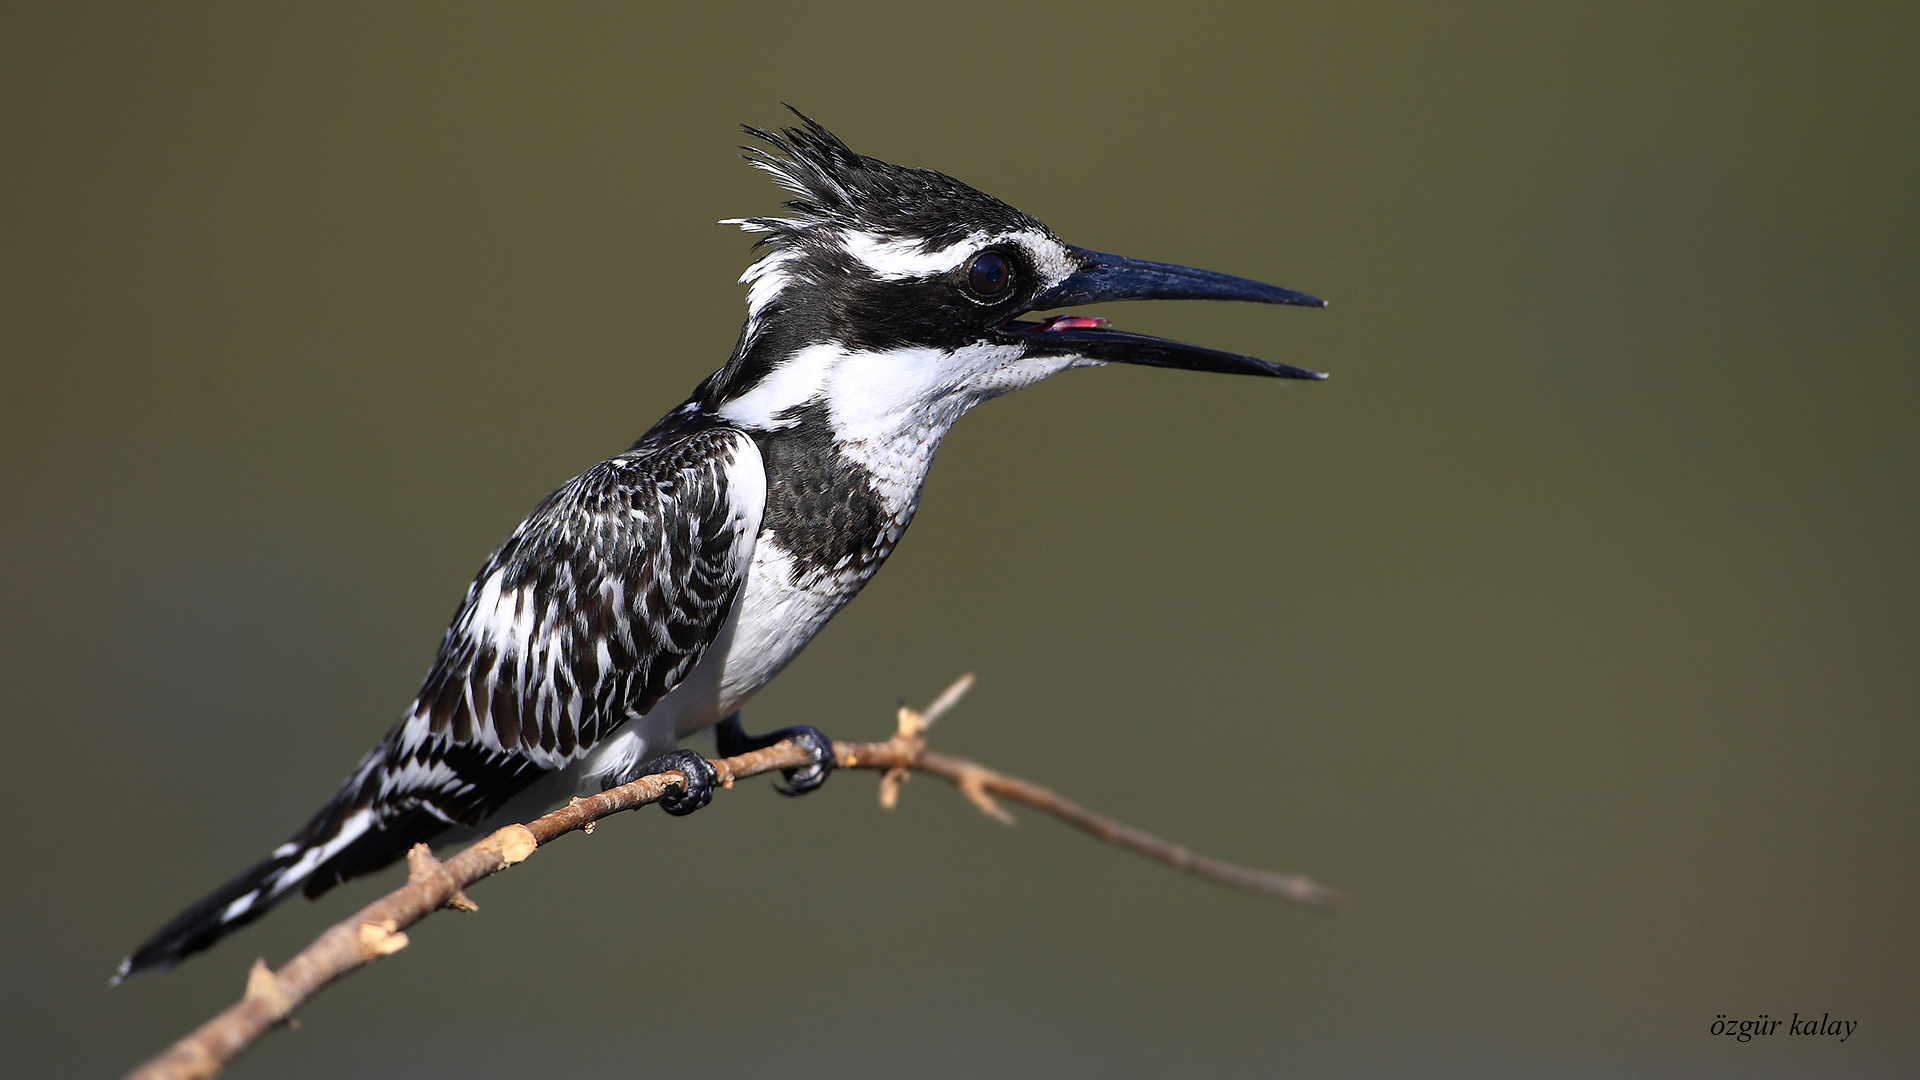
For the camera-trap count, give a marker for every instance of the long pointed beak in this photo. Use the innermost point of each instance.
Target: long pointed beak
(1115, 277)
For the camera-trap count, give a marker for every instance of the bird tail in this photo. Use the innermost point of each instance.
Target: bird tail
(342, 841)
(405, 791)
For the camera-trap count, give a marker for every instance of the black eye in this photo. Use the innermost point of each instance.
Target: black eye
(989, 276)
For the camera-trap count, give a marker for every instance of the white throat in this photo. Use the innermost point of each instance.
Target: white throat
(889, 409)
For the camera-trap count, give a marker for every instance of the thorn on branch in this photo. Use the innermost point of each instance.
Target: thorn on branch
(263, 986)
(382, 938)
(947, 700)
(422, 867)
(586, 828)
(973, 784)
(890, 782)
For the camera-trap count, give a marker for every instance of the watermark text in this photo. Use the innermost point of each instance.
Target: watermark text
(1747, 1030)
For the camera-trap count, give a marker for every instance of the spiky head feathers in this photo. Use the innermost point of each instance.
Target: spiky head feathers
(837, 190)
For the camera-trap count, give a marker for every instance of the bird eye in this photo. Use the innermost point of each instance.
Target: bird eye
(989, 276)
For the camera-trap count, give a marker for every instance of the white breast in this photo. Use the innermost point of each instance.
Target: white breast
(776, 617)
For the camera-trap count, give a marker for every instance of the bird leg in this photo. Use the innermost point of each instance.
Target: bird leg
(679, 800)
(729, 739)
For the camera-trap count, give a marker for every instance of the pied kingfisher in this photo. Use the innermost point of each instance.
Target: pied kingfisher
(652, 595)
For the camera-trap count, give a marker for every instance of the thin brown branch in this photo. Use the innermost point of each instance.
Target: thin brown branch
(378, 930)
(981, 783)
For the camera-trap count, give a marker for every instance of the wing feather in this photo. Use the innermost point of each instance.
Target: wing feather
(594, 609)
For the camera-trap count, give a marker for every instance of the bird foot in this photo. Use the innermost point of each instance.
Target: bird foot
(820, 761)
(731, 740)
(681, 800)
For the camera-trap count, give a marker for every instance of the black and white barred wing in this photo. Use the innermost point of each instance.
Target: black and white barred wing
(595, 608)
(590, 613)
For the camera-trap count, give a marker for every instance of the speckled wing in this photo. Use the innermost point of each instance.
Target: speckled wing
(595, 608)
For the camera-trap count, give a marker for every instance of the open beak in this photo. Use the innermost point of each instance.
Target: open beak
(1116, 277)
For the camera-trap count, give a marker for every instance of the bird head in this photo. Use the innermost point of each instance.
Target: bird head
(893, 290)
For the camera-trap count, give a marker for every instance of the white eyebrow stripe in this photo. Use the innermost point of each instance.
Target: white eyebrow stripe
(904, 258)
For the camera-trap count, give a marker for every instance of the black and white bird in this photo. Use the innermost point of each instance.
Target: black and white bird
(651, 596)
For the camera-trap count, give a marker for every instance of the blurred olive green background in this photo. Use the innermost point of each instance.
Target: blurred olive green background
(1572, 626)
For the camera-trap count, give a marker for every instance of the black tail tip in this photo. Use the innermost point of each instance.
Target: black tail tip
(227, 909)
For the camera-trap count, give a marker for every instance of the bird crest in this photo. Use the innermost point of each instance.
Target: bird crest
(837, 191)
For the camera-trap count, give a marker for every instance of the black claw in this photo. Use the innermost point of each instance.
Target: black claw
(820, 761)
(698, 791)
(731, 740)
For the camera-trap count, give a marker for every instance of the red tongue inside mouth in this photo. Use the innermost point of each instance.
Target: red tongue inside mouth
(1070, 322)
